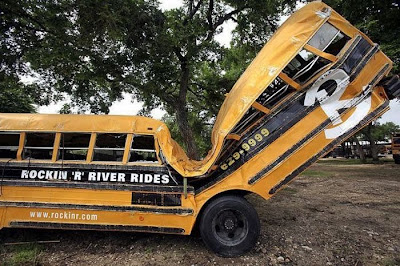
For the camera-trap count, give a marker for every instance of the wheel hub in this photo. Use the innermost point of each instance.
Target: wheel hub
(229, 224)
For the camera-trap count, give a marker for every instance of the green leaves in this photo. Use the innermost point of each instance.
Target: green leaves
(379, 19)
(94, 50)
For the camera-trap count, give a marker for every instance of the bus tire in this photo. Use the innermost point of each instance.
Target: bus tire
(230, 226)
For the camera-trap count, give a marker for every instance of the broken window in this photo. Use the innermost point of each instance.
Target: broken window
(143, 149)
(329, 39)
(9, 143)
(306, 65)
(39, 146)
(74, 146)
(109, 147)
(275, 92)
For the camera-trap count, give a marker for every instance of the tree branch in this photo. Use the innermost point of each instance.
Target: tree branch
(209, 15)
(177, 52)
(221, 20)
(227, 16)
(192, 11)
(29, 17)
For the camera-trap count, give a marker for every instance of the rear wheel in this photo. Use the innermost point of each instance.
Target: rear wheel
(230, 226)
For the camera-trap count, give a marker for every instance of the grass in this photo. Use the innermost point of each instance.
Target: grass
(343, 161)
(21, 255)
(392, 262)
(312, 173)
(289, 190)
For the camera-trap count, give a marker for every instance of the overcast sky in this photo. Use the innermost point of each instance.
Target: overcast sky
(127, 107)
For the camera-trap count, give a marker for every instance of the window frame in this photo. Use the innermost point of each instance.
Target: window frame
(24, 140)
(129, 149)
(59, 148)
(10, 147)
(109, 149)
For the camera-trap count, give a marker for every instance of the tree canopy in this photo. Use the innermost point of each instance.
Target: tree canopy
(93, 51)
(379, 19)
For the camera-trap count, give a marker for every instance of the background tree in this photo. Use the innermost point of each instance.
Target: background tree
(374, 133)
(379, 19)
(94, 50)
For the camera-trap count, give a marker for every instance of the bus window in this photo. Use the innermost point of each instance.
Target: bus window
(143, 149)
(109, 147)
(306, 64)
(39, 146)
(74, 146)
(329, 39)
(9, 143)
(275, 92)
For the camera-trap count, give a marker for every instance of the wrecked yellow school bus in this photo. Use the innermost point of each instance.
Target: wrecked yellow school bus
(314, 84)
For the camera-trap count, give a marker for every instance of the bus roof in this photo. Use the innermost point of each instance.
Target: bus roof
(79, 123)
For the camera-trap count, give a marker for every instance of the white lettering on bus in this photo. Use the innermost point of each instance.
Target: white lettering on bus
(156, 179)
(77, 175)
(149, 178)
(42, 174)
(95, 176)
(165, 179)
(24, 174)
(134, 178)
(121, 177)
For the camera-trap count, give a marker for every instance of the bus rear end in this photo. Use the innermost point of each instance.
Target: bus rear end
(396, 147)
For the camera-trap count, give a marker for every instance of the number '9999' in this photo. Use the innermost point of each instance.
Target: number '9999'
(245, 147)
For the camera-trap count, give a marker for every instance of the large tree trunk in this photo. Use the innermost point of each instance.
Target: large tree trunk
(374, 150)
(360, 150)
(182, 116)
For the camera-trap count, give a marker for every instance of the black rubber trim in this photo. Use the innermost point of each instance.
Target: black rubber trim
(161, 210)
(371, 53)
(308, 136)
(99, 186)
(73, 226)
(329, 147)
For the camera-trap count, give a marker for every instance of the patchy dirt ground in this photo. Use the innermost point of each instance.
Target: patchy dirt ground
(336, 213)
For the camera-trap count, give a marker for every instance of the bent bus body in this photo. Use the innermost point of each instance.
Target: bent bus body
(314, 84)
(396, 147)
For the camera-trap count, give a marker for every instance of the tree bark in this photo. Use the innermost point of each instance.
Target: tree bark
(182, 116)
(372, 145)
(360, 150)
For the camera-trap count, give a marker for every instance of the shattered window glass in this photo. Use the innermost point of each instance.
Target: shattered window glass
(275, 92)
(304, 66)
(329, 39)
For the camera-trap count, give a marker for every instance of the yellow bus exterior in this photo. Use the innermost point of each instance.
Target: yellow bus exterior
(313, 85)
(396, 147)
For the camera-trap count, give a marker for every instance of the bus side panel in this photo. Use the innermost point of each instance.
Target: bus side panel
(17, 217)
(2, 214)
(59, 208)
